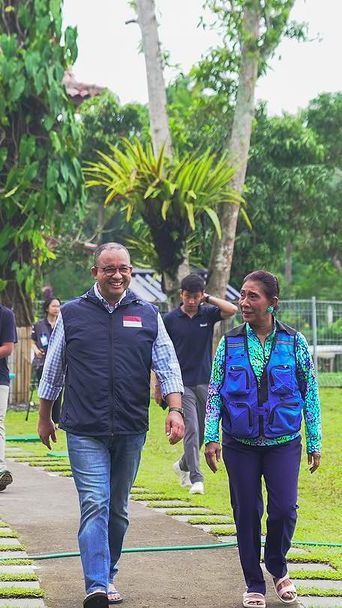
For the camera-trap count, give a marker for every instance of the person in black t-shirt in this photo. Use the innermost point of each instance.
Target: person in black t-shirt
(190, 327)
(8, 337)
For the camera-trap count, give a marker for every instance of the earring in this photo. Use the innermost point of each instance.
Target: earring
(270, 309)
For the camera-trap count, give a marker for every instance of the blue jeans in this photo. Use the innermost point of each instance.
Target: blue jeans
(104, 470)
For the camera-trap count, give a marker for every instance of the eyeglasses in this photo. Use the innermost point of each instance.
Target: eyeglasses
(110, 270)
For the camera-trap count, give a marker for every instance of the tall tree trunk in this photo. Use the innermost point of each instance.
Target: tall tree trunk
(222, 250)
(155, 78)
(336, 260)
(171, 284)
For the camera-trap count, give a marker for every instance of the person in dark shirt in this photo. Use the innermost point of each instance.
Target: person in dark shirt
(41, 334)
(8, 337)
(190, 327)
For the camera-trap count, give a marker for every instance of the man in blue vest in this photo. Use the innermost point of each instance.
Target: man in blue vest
(104, 344)
(190, 327)
(8, 337)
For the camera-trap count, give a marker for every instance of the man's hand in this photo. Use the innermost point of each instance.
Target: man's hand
(212, 454)
(174, 427)
(314, 460)
(47, 429)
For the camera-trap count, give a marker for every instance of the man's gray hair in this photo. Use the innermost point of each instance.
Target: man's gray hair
(106, 246)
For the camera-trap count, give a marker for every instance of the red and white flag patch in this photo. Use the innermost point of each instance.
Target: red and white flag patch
(131, 321)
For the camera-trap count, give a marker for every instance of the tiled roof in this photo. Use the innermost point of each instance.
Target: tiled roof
(79, 91)
(148, 287)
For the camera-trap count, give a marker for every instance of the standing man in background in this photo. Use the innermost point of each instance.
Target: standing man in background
(8, 337)
(190, 327)
(103, 347)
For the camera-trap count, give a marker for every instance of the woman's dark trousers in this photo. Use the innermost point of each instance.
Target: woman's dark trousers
(279, 465)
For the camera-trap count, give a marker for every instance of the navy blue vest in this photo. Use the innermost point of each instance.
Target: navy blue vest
(275, 407)
(108, 358)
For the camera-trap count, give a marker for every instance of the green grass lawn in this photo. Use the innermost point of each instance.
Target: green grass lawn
(320, 513)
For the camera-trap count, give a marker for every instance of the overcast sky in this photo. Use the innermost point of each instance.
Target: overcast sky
(109, 56)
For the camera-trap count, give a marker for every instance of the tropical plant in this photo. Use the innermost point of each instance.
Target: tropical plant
(40, 175)
(170, 195)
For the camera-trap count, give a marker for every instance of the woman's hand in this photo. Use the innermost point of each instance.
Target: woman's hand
(212, 454)
(314, 460)
(39, 352)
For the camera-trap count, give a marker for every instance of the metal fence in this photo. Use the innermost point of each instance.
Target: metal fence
(321, 323)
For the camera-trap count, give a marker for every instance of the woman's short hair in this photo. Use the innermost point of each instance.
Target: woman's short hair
(47, 303)
(193, 283)
(269, 281)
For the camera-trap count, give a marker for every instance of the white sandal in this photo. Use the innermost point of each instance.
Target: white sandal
(289, 588)
(252, 599)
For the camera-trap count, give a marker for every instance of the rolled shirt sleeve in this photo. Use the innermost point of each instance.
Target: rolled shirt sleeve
(165, 363)
(53, 375)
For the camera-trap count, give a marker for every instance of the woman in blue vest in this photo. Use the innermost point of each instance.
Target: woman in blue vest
(262, 382)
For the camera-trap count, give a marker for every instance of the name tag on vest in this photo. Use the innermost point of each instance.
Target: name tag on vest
(131, 322)
(203, 324)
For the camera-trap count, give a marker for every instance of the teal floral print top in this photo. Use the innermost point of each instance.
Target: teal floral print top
(259, 355)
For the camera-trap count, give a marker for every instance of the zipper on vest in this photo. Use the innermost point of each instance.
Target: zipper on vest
(243, 405)
(111, 365)
(258, 383)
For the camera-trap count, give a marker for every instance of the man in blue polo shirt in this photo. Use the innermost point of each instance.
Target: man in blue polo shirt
(190, 327)
(8, 337)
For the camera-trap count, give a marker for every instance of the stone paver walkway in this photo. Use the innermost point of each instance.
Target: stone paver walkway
(9, 571)
(212, 577)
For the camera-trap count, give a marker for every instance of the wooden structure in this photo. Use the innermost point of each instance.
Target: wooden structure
(20, 364)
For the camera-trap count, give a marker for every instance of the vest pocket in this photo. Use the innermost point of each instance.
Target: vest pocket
(240, 418)
(284, 419)
(237, 381)
(281, 380)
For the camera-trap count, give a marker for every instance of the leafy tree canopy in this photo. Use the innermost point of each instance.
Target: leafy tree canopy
(324, 116)
(284, 180)
(105, 122)
(40, 174)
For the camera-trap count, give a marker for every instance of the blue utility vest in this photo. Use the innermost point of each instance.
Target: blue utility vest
(108, 365)
(275, 407)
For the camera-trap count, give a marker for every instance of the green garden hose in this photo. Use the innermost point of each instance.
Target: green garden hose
(22, 438)
(176, 548)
